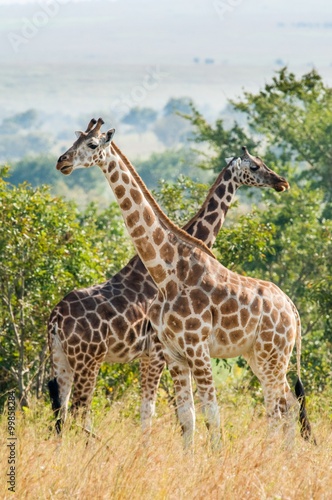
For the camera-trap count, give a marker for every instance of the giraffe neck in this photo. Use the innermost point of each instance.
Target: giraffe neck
(206, 224)
(156, 239)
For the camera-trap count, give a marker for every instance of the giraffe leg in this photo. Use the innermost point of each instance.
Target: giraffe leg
(202, 372)
(281, 405)
(184, 400)
(84, 386)
(151, 368)
(60, 385)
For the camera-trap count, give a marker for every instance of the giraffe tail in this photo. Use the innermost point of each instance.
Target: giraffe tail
(305, 426)
(53, 386)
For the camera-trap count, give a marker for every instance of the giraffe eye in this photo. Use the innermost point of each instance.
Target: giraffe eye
(92, 146)
(254, 168)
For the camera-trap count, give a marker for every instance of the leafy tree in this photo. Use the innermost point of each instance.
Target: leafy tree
(180, 199)
(224, 142)
(108, 236)
(171, 128)
(46, 250)
(169, 165)
(295, 114)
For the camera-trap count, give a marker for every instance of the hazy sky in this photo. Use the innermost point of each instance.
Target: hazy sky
(207, 49)
(168, 31)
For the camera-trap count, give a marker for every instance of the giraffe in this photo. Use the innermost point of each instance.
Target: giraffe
(202, 308)
(110, 319)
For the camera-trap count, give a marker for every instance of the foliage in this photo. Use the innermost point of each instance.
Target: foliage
(116, 379)
(108, 236)
(181, 199)
(46, 249)
(295, 114)
(168, 165)
(224, 142)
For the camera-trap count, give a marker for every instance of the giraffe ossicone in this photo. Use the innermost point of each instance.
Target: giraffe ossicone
(202, 308)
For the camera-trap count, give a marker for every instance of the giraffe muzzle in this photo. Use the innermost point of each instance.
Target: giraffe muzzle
(282, 186)
(64, 165)
(66, 169)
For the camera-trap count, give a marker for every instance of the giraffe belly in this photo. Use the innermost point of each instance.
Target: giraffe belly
(224, 344)
(121, 352)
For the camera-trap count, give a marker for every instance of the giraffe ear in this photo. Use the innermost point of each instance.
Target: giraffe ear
(78, 133)
(236, 162)
(109, 135)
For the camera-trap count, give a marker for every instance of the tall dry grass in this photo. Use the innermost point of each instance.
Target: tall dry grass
(123, 466)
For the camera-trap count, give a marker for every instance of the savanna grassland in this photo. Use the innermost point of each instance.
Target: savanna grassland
(120, 463)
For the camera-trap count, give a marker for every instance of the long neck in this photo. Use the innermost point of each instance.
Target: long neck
(156, 238)
(206, 224)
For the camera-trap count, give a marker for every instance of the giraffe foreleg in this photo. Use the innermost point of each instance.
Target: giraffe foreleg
(202, 372)
(184, 400)
(151, 368)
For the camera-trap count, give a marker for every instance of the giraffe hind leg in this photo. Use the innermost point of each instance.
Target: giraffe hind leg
(280, 403)
(84, 386)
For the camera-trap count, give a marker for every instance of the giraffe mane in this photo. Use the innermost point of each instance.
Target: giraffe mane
(156, 208)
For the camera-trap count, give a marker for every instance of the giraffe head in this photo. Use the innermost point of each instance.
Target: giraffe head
(252, 171)
(89, 149)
